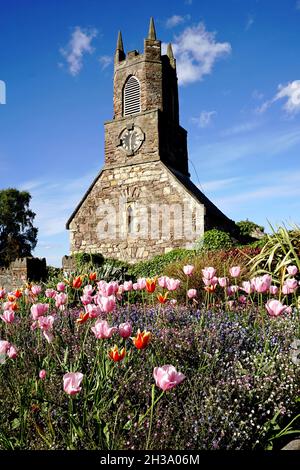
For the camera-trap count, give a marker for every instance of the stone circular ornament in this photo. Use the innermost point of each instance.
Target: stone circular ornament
(132, 139)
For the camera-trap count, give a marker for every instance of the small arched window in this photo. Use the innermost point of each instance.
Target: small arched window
(130, 227)
(132, 96)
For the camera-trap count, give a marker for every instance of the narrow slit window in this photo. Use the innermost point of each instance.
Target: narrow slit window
(129, 220)
(132, 96)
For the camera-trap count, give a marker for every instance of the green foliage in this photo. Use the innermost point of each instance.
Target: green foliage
(214, 240)
(281, 249)
(18, 236)
(247, 227)
(88, 261)
(156, 265)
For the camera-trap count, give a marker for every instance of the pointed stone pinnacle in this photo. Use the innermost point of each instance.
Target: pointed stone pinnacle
(170, 52)
(152, 32)
(120, 46)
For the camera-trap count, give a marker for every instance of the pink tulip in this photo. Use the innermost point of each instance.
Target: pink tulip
(102, 330)
(12, 352)
(72, 382)
(291, 283)
(61, 287)
(172, 284)
(292, 270)
(94, 311)
(235, 271)
(223, 281)
(162, 281)
(192, 293)
(127, 286)
(60, 300)
(286, 290)
(260, 284)
(232, 289)
(125, 329)
(38, 310)
(230, 304)
(141, 282)
(42, 374)
(36, 290)
(135, 286)
(107, 289)
(247, 287)
(86, 299)
(88, 289)
(208, 273)
(242, 299)
(8, 316)
(188, 269)
(166, 377)
(50, 293)
(275, 308)
(4, 346)
(273, 290)
(2, 293)
(106, 304)
(173, 302)
(289, 310)
(214, 281)
(46, 325)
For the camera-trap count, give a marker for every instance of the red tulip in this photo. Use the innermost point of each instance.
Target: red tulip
(115, 355)
(141, 340)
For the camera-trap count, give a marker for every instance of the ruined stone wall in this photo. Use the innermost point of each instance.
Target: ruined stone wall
(144, 187)
(21, 270)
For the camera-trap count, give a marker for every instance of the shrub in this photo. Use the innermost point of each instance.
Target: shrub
(214, 240)
(157, 264)
(247, 228)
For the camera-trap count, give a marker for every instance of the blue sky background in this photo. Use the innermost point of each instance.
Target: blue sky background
(238, 67)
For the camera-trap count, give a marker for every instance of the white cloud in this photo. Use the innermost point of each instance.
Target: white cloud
(79, 44)
(175, 20)
(291, 92)
(105, 61)
(240, 128)
(205, 119)
(249, 22)
(196, 51)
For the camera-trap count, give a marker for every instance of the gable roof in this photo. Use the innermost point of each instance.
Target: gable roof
(186, 182)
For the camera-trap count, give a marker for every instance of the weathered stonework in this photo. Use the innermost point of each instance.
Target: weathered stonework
(22, 270)
(143, 203)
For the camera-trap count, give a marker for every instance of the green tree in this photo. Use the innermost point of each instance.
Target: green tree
(18, 236)
(249, 229)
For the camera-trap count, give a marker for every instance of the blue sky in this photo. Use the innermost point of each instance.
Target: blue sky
(238, 68)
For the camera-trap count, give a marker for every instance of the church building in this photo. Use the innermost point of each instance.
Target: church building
(143, 202)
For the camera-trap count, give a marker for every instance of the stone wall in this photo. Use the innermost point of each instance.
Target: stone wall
(21, 270)
(101, 223)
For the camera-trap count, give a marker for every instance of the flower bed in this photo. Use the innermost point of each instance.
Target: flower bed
(82, 367)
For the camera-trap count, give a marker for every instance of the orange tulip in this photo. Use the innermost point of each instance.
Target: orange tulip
(83, 317)
(11, 298)
(14, 306)
(115, 355)
(93, 276)
(151, 285)
(141, 340)
(163, 298)
(18, 293)
(77, 282)
(210, 288)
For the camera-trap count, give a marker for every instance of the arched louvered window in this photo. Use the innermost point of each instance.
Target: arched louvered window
(129, 220)
(132, 97)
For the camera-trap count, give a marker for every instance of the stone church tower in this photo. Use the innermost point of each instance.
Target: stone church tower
(143, 203)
